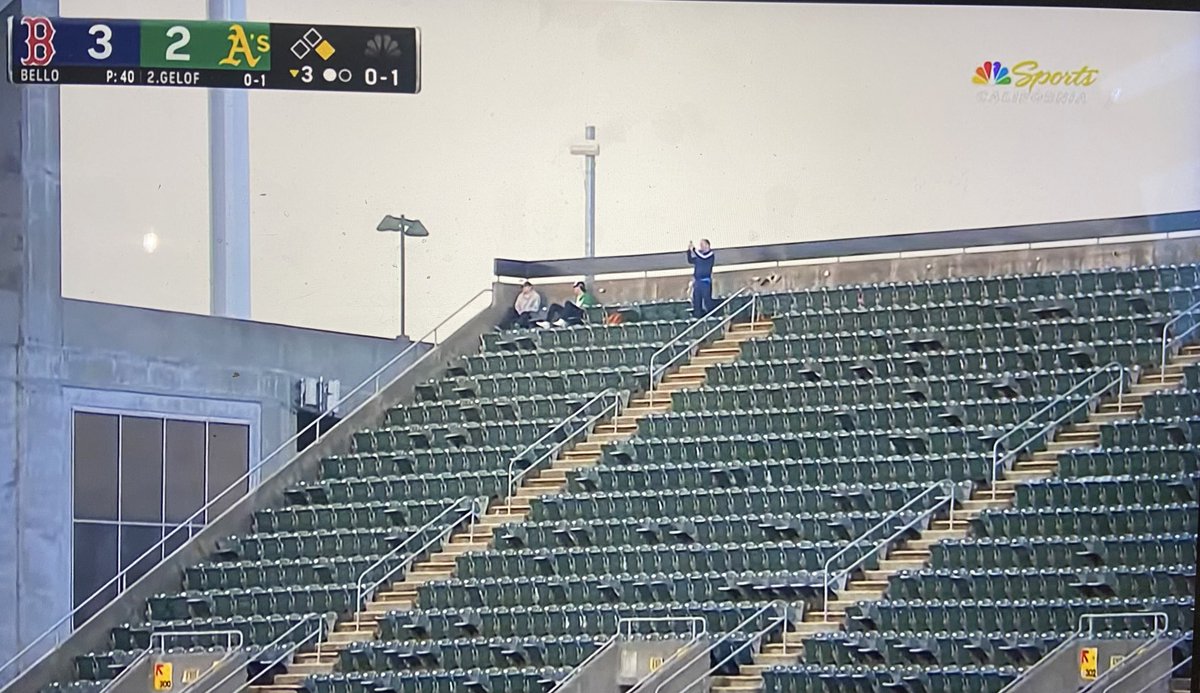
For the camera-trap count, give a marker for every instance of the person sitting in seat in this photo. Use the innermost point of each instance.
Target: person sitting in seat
(526, 308)
(571, 312)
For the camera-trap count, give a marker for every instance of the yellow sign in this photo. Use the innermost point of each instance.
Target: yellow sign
(191, 675)
(1088, 658)
(655, 663)
(163, 676)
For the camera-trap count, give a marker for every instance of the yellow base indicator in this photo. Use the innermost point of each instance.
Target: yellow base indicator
(1088, 658)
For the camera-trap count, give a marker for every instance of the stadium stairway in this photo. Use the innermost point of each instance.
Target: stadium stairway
(362, 626)
(915, 554)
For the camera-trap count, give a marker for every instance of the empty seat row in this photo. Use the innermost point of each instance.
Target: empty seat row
(945, 389)
(726, 501)
(704, 529)
(1169, 518)
(821, 471)
(1020, 615)
(1044, 583)
(1075, 551)
(636, 588)
(587, 619)
(764, 556)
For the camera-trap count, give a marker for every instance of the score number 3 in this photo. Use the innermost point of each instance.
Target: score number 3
(103, 48)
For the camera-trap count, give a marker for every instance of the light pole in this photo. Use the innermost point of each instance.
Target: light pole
(406, 228)
(589, 149)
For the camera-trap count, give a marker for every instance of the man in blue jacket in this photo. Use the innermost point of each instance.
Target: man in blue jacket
(701, 259)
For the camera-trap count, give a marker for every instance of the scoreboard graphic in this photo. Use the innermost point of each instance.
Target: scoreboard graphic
(235, 55)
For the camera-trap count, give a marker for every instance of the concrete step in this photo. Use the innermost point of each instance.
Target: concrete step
(274, 689)
(1109, 417)
(1048, 466)
(894, 564)
(1026, 475)
(289, 679)
(905, 554)
(349, 636)
(735, 684)
(984, 503)
(823, 617)
(856, 592)
(314, 658)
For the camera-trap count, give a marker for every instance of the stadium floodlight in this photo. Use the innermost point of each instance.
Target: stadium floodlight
(406, 228)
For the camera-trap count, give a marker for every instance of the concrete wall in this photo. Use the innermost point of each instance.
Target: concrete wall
(792, 276)
(746, 122)
(167, 575)
(153, 362)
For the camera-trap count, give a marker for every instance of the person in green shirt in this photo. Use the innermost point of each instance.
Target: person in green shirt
(572, 312)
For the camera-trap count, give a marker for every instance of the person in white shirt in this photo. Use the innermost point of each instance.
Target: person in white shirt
(526, 307)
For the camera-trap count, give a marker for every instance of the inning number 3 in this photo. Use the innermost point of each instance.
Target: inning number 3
(181, 36)
(103, 47)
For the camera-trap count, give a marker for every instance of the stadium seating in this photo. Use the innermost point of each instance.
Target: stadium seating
(736, 491)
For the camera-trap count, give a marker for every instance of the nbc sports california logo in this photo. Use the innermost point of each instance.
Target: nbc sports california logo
(1028, 82)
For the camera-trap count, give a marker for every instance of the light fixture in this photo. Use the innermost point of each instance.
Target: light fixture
(150, 242)
(406, 228)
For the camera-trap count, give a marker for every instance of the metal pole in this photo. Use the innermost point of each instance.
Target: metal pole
(589, 184)
(403, 289)
(229, 188)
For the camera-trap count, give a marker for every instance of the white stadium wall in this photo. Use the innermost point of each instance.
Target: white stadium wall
(746, 123)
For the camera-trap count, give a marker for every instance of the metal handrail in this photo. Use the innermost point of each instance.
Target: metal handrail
(1090, 619)
(365, 591)
(615, 638)
(233, 643)
(656, 374)
(121, 578)
(998, 461)
(707, 653)
(1167, 674)
(781, 620)
(318, 633)
(1128, 659)
(829, 577)
(514, 478)
(1167, 345)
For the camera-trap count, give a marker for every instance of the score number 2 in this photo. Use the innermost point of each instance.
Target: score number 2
(182, 36)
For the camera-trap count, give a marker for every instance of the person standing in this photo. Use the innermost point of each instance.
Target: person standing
(701, 259)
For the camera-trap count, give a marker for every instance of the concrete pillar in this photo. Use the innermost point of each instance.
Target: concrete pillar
(229, 197)
(35, 478)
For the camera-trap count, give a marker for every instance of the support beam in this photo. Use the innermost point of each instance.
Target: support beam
(229, 181)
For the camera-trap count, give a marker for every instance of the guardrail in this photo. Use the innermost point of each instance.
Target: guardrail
(1090, 619)
(616, 638)
(1123, 667)
(233, 642)
(656, 374)
(370, 386)
(1166, 675)
(315, 636)
(1119, 383)
(830, 578)
(1169, 342)
(514, 477)
(784, 617)
(469, 509)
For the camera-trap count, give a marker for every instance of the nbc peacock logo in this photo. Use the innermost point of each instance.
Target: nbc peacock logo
(992, 72)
